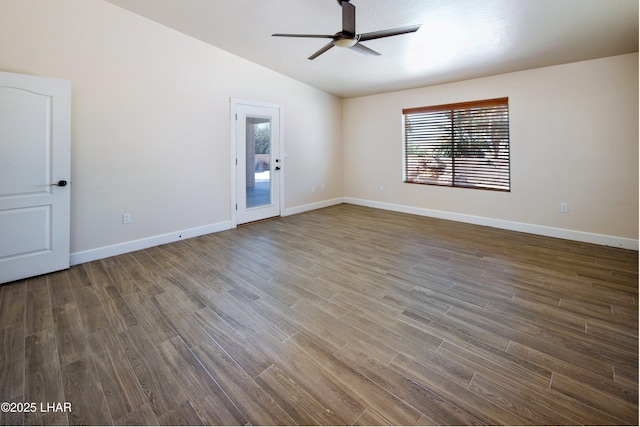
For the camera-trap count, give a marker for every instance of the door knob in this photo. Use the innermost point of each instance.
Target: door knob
(277, 168)
(61, 183)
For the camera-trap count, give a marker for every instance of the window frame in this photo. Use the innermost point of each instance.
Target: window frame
(499, 140)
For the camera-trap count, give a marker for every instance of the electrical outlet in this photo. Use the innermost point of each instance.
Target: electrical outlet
(381, 187)
(564, 208)
(126, 218)
(313, 188)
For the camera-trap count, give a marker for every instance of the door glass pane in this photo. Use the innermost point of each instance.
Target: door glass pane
(258, 164)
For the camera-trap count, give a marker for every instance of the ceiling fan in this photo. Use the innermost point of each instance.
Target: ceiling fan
(348, 36)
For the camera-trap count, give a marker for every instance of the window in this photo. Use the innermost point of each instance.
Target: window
(458, 145)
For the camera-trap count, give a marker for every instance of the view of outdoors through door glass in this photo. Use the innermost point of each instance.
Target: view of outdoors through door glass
(258, 138)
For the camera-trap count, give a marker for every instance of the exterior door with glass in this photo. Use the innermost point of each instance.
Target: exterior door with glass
(258, 164)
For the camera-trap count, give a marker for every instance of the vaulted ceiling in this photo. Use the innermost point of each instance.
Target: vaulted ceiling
(458, 39)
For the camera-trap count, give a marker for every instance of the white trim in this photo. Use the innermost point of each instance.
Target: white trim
(313, 206)
(147, 242)
(283, 167)
(580, 236)
(233, 162)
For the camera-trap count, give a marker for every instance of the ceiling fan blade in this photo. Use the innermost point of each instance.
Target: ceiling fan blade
(321, 51)
(348, 18)
(314, 36)
(388, 33)
(364, 50)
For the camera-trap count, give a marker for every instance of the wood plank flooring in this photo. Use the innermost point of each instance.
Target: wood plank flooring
(341, 316)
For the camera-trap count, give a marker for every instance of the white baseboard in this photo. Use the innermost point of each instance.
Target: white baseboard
(580, 236)
(313, 206)
(148, 242)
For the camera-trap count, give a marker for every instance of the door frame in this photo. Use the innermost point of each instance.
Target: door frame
(234, 103)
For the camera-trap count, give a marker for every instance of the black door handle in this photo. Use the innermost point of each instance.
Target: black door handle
(277, 168)
(61, 183)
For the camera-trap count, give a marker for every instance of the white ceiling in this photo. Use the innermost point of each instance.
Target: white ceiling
(458, 40)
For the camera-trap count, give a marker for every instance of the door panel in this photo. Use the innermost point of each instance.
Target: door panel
(29, 230)
(34, 157)
(258, 162)
(20, 120)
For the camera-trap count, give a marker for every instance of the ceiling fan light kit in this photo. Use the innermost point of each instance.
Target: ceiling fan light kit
(345, 42)
(348, 36)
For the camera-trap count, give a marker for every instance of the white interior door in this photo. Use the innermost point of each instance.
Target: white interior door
(34, 175)
(258, 163)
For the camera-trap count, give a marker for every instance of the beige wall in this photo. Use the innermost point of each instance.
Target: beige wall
(150, 121)
(151, 134)
(574, 139)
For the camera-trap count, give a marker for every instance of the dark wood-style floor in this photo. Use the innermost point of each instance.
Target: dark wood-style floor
(345, 315)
